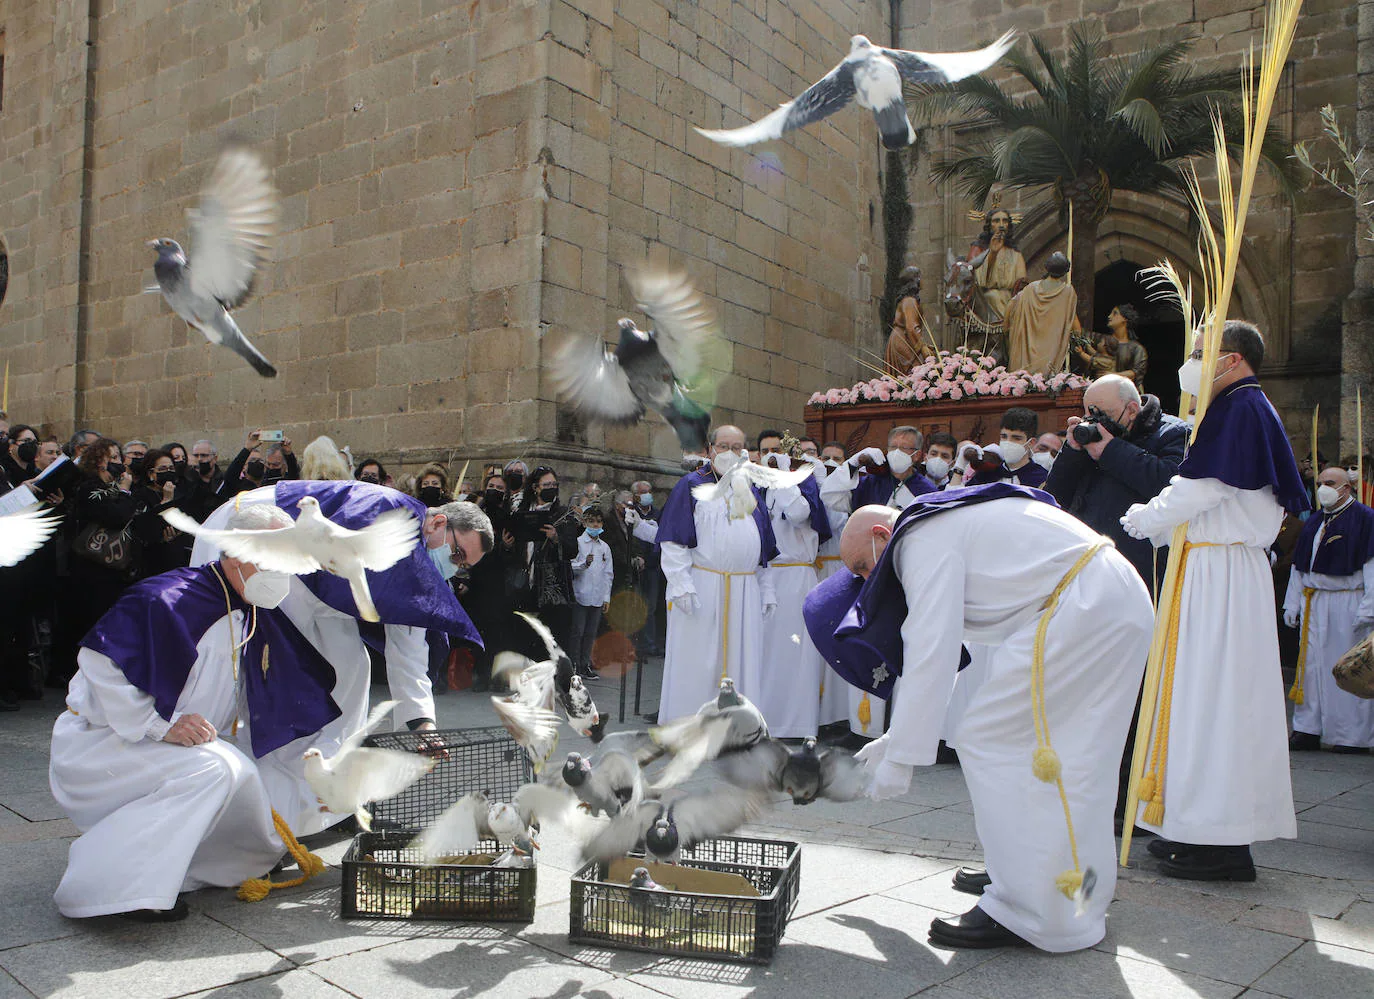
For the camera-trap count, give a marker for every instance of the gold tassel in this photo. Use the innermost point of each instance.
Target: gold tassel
(865, 712)
(1296, 692)
(1045, 765)
(257, 889)
(1069, 882)
(1154, 812)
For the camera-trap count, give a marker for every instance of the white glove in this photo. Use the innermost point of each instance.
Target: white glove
(1128, 525)
(769, 606)
(631, 517)
(877, 454)
(1290, 618)
(889, 780)
(688, 603)
(872, 754)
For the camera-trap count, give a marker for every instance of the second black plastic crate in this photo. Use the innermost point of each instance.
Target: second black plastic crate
(688, 924)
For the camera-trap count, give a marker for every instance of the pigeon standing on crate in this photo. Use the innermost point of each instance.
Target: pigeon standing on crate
(23, 533)
(805, 773)
(734, 485)
(314, 542)
(666, 828)
(872, 77)
(356, 776)
(230, 231)
(653, 369)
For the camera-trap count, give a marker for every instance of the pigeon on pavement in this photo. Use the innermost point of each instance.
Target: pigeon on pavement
(23, 533)
(314, 542)
(734, 485)
(805, 773)
(356, 775)
(230, 230)
(647, 370)
(871, 76)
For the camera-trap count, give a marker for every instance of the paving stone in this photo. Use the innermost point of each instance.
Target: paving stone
(11, 989)
(1350, 818)
(36, 806)
(935, 892)
(1319, 895)
(299, 984)
(28, 879)
(550, 932)
(864, 813)
(831, 875)
(1351, 930)
(1086, 974)
(1163, 895)
(939, 823)
(1322, 785)
(1309, 858)
(1319, 969)
(114, 957)
(1336, 837)
(1176, 940)
(490, 964)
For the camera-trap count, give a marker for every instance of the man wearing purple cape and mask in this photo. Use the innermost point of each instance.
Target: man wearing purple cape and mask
(718, 587)
(1216, 778)
(1064, 623)
(412, 597)
(144, 760)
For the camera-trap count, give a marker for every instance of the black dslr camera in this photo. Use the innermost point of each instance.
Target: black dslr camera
(1087, 432)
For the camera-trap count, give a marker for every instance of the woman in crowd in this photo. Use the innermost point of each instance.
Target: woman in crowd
(371, 470)
(431, 485)
(323, 461)
(178, 454)
(545, 542)
(163, 546)
(487, 599)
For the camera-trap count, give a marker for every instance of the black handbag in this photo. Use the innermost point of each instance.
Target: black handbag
(110, 549)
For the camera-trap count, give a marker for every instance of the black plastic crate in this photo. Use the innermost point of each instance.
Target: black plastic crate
(690, 924)
(479, 759)
(383, 877)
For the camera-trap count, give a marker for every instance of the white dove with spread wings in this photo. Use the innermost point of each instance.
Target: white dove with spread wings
(23, 533)
(734, 485)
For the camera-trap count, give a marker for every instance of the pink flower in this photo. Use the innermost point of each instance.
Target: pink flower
(955, 395)
(884, 395)
(1018, 391)
(832, 397)
(936, 392)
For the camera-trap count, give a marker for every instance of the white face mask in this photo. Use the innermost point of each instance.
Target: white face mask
(1012, 453)
(1353, 474)
(1044, 459)
(784, 461)
(441, 557)
(725, 461)
(266, 589)
(1190, 377)
(936, 468)
(831, 464)
(1328, 496)
(898, 461)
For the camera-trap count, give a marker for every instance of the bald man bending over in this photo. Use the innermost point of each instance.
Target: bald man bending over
(1065, 622)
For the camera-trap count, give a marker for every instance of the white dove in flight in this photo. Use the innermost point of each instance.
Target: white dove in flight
(734, 485)
(23, 533)
(356, 775)
(314, 542)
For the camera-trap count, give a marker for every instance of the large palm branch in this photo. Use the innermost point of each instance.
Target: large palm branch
(1083, 125)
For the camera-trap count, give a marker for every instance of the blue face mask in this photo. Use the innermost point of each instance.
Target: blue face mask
(594, 532)
(440, 557)
(646, 499)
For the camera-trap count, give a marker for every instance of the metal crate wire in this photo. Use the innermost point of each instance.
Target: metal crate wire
(690, 924)
(383, 878)
(479, 759)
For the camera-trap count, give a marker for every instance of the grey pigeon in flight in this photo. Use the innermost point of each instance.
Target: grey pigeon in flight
(871, 76)
(230, 230)
(653, 369)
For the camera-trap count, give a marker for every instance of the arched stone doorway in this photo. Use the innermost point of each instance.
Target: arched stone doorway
(1160, 330)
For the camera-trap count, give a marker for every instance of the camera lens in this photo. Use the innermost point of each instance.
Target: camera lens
(1087, 432)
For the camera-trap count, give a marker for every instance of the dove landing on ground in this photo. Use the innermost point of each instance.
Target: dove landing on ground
(872, 77)
(315, 542)
(735, 481)
(356, 776)
(230, 230)
(23, 533)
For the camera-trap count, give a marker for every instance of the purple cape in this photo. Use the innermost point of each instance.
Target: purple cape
(678, 524)
(865, 647)
(1346, 546)
(820, 519)
(1241, 442)
(1030, 475)
(412, 591)
(875, 488)
(152, 631)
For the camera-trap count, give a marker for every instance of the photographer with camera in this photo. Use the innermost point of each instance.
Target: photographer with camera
(1125, 450)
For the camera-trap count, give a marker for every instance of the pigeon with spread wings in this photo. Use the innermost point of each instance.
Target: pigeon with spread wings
(872, 77)
(230, 230)
(666, 827)
(654, 369)
(734, 485)
(315, 542)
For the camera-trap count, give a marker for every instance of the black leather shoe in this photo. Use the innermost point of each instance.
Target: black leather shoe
(1346, 749)
(974, 929)
(945, 754)
(971, 881)
(175, 914)
(1300, 742)
(1166, 848)
(1211, 863)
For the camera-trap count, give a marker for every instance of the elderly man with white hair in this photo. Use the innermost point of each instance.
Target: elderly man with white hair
(144, 760)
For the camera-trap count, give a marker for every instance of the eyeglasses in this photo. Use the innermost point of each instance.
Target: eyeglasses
(456, 549)
(1197, 355)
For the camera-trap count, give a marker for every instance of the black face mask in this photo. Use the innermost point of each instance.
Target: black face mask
(165, 476)
(370, 478)
(493, 497)
(271, 475)
(179, 464)
(204, 465)
(136, 466)
(254, 469)
(514, 480)
(27, 451)
(431, 496)
(115, 468)
(548, 494)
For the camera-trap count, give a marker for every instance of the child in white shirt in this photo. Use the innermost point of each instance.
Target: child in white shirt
(592, 575)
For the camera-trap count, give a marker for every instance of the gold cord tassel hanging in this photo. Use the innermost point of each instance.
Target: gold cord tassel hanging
(1296, 692)
(257, 889)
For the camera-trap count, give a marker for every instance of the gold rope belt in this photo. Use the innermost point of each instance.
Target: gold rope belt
(1045, 763)
(1296, 693)
(1152, 784)
(791, 565)
(724, 617)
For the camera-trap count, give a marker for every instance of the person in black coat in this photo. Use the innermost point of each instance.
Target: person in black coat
(545, 542)
(487, 599)
(163, 547)
(1138, 452)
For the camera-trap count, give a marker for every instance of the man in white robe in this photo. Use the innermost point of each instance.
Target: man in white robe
(717, 586)
(144, 760)
(1330, 599)
(1217, 778)
(998, 568)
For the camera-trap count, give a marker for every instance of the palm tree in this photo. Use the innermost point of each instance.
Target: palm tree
(1089, 125)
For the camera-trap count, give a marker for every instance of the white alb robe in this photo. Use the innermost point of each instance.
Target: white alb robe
(1226, 780)
(1342, 611)
(723, 637)
(981, 574)
(157, 819)
(789, 674)
(966, 684)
